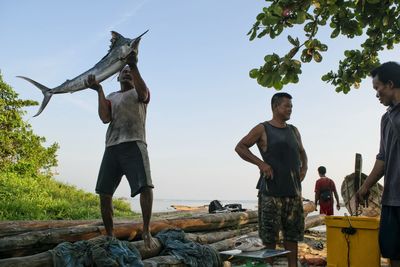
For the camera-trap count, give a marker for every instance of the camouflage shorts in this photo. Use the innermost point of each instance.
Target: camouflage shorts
(280, 213)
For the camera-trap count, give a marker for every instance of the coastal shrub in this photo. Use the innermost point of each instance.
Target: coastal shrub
(21, 150)
(44, 198)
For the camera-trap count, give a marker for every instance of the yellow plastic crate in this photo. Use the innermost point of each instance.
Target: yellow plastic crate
(352, 241)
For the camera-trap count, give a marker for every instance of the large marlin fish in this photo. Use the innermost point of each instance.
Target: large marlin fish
(110, 64)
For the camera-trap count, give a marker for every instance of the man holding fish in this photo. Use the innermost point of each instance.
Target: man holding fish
(126, 148)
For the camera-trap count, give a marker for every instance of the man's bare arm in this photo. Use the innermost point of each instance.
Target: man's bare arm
(303, 156)
(140, 85)
(316, 198)
(376, 174)
(104, 108)
(243, 150)
(337, 199)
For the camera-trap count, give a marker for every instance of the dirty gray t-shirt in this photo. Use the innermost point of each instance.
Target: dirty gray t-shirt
(389, 152)
(128, 118)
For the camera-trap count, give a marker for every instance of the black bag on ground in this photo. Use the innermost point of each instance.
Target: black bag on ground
(234, 207)
(215, 206)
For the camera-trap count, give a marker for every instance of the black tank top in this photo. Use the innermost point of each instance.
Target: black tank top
(283, 156)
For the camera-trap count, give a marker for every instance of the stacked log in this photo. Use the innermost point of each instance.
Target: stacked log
(45, 258)
(38, 241)
(29, 248)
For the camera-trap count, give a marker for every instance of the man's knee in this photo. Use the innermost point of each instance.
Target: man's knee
(106, 202)
(147, 190)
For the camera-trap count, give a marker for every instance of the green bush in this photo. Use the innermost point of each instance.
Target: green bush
(43, 198)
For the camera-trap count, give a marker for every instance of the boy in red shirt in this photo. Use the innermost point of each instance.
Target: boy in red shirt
(324, 190)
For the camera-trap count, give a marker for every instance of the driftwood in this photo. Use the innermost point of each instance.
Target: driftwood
(39, 241)
(220, 240)
(8, 228)
(308, 207)
(37, 260)
(45, 258)
(43, 238)
(190, 208)
(313, 221)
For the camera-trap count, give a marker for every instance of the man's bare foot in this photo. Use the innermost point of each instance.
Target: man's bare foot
(149, 241)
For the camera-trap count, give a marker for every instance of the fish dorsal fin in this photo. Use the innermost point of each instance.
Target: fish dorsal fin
(115, 36)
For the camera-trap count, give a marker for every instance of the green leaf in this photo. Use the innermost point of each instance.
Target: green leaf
(309, 27)
(301, 17)
(253, 35)
(277, 10)
(306, 57)
(268, 58)
(293, 52)
(317, 57)
(348, 53)
(323, 47)
(254, 73)
(385, 21)
(260, 16)
(263, 80)
(263, 33)
(285, 80)
(296, 64)
(278, 85)
(279, 29)
(292, 41)
(326, 77)
(335, 33)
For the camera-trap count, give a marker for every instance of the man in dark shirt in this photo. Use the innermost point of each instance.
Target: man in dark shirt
(282, 168)
(386, 82)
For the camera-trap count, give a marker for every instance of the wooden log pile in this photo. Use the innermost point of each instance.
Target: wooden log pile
(27, 243)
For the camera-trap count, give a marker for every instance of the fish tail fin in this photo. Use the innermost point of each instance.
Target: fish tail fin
(45, 91)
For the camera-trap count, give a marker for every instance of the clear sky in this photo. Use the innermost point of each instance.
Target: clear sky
(195, 59)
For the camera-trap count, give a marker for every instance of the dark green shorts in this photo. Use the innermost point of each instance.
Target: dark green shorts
(280, 213)
(123, 159)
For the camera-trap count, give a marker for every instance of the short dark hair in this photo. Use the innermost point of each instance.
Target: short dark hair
(321, 170)
(389, 71)
(277, 99)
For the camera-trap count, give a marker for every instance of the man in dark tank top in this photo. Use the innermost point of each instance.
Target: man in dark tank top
(282, 169)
